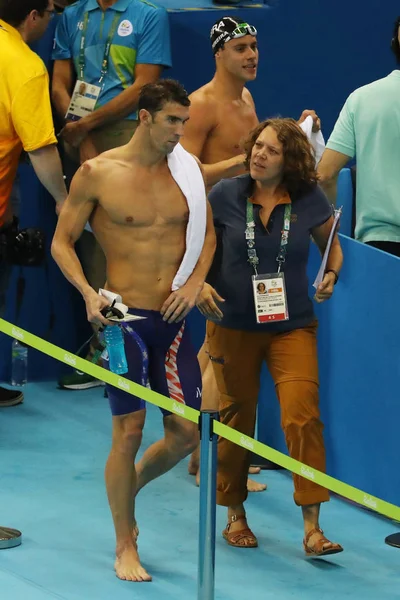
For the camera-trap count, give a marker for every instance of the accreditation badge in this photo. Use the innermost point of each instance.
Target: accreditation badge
(83, 100)
(270, 298)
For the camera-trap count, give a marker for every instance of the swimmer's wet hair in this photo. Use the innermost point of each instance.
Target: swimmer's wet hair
(14, 12)
(299, 171)
(153, 96)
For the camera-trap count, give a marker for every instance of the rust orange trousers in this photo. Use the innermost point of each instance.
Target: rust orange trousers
(291, 357)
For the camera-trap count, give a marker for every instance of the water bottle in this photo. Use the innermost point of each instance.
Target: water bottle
(115, 344)
(19, 363)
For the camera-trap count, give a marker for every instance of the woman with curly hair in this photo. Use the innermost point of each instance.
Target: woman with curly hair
(264, 222)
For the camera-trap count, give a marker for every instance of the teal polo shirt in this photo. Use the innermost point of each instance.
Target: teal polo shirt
(368, 127)
(141, 37)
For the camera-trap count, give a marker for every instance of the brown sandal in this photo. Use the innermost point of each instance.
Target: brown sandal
(318, 549)
(235, 538)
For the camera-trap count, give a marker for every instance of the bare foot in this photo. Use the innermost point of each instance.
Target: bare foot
(135, 532)
(254, 486)
(254, 470)
(128, 567)
(193, 466)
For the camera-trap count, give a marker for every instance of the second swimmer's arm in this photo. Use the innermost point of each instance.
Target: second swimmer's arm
(224, 169)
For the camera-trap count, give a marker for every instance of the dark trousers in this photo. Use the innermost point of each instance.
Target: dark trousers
(390, 247)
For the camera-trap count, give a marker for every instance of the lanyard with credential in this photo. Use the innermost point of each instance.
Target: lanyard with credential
(251, 242)
(104, 64)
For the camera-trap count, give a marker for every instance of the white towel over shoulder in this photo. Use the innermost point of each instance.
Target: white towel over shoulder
(187, 174)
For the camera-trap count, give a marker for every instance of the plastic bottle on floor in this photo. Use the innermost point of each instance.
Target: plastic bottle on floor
(19, 363)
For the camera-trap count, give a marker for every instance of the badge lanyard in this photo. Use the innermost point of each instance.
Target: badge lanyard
(250, 237)
(105, 62)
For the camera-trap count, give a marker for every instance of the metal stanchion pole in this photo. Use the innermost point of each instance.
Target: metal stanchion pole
(208, 477)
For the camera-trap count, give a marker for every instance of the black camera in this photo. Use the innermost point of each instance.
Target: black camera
(23, 247)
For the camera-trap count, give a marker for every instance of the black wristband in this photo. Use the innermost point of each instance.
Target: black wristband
(336, 274)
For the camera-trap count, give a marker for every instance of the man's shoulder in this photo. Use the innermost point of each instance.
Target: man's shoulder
(373, 88)
(247, 97)
(13, 48)
(108, 159)
(204, 95)
(30, 65)
(92, 174)
(75, 10)
(186, 156)
(142, 7)
(145, 7)
(36, 66)
(204, 103)
(101, 163)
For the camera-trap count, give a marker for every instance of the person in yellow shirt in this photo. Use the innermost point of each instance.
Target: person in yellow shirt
(26, 121)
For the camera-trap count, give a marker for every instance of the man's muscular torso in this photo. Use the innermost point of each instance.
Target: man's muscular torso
(140, 221)
(232, 123)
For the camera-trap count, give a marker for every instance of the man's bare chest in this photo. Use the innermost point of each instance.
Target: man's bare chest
(142, 202)
(233, 128)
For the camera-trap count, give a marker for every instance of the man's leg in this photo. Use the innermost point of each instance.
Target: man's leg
(210, 401)
(173, 371)
(120, 475)
(128, 421)
(180, 438)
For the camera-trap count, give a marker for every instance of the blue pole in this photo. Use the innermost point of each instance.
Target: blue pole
(208, 478)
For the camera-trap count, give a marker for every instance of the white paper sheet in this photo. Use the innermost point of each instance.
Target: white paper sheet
(116, 300)
(321, 272)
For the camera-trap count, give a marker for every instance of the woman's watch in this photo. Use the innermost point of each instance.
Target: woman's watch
(336, 274)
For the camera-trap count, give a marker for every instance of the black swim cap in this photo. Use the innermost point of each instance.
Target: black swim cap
(229, 28)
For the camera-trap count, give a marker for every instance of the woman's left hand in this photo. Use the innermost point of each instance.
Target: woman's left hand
(325, 288)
